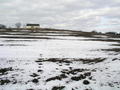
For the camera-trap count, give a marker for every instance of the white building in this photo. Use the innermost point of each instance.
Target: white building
(32, 26)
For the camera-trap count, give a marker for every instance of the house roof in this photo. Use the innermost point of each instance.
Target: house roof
(32, 25)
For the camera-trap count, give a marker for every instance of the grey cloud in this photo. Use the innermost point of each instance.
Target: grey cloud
(66, 14)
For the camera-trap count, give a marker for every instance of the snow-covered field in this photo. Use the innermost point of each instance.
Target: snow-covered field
(59, 63)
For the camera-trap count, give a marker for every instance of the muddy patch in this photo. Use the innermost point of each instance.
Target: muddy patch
(60, 77)
(112, 50)
(91, 61)
(13, 45)
(115, 44)
(68, 61)
(86, 82)
(5, 81)
(35, 80)
(111, 84)
(56, 60)
(77, 78)
(34, 75)
(58, 87)
(73, 71)
(30, 89)
(4, 71)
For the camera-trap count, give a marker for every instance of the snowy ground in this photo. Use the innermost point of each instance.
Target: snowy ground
(59, 63)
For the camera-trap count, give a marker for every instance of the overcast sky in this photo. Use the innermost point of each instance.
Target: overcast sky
(102, 15)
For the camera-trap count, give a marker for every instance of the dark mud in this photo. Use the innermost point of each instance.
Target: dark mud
(73, 71)
(102, 39)
(68, 61)
(111, 84)
(5, 81)
(58, 60)
(4, 71)
(77, 78)
(58, 88)
(115, 44)
(13, 45)
(112, 50)
(60, 77)
(31, 89)
(26, 37)
(86, 82)
(91, 61)
(35, 80)
(34, 75)
(19, 40)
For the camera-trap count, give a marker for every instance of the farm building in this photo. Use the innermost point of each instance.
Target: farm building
(32, 26)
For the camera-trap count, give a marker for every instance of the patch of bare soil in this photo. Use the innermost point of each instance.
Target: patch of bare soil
(13, 45)
(34, 75)
(58, 60)
(112, 49)
(115, 44)
(105, 40)
(58, 87)
(4, 81)
(68, 61)
(73, 71)
(74, 75)
(91, 61)
(4, 71)
(60, 77)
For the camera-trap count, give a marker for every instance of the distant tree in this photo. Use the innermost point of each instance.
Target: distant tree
(2, 26)
(94, 31)
(18, 25)
(111, 33)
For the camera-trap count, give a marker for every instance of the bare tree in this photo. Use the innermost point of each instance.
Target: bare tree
(18, 25)
(2, 26)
